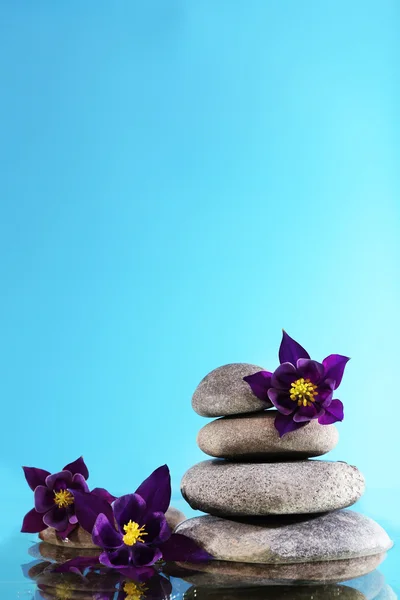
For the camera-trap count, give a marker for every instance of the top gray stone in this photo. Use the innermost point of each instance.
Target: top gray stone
(223, 392)
(338, 535)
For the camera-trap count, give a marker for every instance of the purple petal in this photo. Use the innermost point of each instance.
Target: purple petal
(44, 499)
(33, 522)
(157, 529)
(139, 574)
(130, 507)
(310, 369)
(78, 466)
(334, 367)
(60, 480)
(333, 413)
(306, 413)
(119, 558)
(88, 507)
(144, 556)
(79, 483)
(156, 490)
(105, 535)
(285, 424)
(259, 383)
(80, 563)
(66, 532)
(35, 477)
(281, 400)
(57, 518)
(179, 547)
(104, 494)
(284, 376)
(290, 350)
(325, 394)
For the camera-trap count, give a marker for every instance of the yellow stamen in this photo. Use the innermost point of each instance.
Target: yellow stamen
(133, 533)
(303, 392)
(63, 498)
(134, 591)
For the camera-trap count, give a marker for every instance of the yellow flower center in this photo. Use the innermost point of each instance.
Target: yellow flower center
(134, 591)
(63, 498)
(303, 392)
(133, 533)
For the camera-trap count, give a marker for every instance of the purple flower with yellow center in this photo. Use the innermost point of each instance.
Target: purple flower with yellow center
(62, 500)
(137, 535)
(301, 389)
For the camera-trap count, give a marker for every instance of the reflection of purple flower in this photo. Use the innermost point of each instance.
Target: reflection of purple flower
(148, 586)
(137, 535)
(300, 388)
(62, 500)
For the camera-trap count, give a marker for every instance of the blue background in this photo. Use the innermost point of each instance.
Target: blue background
(179, 181)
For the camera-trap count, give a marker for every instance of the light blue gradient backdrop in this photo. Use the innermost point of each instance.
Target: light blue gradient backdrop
(179, 181)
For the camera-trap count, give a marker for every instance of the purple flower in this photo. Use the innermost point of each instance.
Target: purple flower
(62, 500)
(137, 535)
(301, 389)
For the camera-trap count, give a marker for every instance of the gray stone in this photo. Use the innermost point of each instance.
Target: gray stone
(174, 517)
(254, 437)
(338, 535)
(78, 538)
(223, 392)
(226, 488)
(224, 574)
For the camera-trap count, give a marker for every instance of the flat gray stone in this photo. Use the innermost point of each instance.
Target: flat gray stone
(254, 437)
(223, 392)
(222, 574)
(338, 535)
(228, 489)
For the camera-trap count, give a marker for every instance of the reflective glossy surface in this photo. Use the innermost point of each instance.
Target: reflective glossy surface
(24, 574)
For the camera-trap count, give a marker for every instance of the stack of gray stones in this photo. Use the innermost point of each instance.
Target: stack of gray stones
(267, 502)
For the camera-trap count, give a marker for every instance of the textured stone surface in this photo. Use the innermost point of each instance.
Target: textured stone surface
(79, 538)
(254, 437)
(174, 517)
(223, 392)
(235, 574)
(226, 488)
(343, 534)
(279, 592)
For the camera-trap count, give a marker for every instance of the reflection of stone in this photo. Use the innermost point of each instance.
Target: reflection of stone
(386, 593)
(61, 554)
(254, 437)
(298, 539)
(79, 538)
(279, 592)
(236, 489)
(98, 583)
(231, 574)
